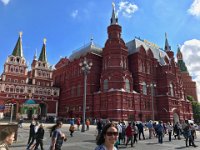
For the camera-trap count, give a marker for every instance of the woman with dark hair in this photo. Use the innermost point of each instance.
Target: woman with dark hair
(108, 137)
(6, 138)
(57, 136)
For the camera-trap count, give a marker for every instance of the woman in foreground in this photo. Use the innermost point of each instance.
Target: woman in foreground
(108, 137)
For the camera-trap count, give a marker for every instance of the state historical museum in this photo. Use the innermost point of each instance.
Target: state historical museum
(136, 80)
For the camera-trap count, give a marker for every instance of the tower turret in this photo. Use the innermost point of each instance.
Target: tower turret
(168, 48)
(115, 58)
(43, 55)
(18, 51)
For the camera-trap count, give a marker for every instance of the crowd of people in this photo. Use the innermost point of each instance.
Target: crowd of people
(109, 134)
(134, 131)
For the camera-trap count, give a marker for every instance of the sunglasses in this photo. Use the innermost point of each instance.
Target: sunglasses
(112, 133)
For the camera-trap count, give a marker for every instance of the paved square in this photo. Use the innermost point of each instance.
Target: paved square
(86, 141)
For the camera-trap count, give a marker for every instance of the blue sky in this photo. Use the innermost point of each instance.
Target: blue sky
(69, 24)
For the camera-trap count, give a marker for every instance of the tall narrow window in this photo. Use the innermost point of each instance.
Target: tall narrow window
(144, 88)
(105, 85)
(127, 85)
(171, 89)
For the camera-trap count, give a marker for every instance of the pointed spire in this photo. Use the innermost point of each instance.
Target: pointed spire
(179, 54)
(167, 47)
(43, 56)
(91, 40)
(114, 19)
(18, 51)
(35, 55)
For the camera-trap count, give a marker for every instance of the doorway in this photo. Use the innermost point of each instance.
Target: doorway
(43, 110)
(176, 118)
(30, 113)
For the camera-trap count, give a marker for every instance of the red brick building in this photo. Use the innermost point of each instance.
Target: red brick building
(134, 80)
(27, 93)
(188, 84)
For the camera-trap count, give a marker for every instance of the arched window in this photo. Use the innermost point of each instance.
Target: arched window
(105, 85)
(17, 89)
(12, 89)
(127, 85)
(144, 88)
(171, 89)
(22, 90)
(7, 88)
(11, 68)
(17, 69)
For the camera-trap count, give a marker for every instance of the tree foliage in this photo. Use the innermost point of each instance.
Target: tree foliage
(195, 108)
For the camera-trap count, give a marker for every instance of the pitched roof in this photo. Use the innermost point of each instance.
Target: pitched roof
(18, 51)
(43, 54)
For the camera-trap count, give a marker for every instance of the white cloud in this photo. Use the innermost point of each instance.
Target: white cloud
(195, 8)
(5, 2)
(127, 8)
(74, 13)
(191, 55)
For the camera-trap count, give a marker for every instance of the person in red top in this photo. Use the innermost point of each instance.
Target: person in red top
(129, 134)
(88, 124)
(78, 122)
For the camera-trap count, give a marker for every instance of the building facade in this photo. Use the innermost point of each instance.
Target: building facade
(136, 80)
(188, 84)
(27, 93)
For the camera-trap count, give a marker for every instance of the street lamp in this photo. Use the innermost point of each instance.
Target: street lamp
(85, 67)
(11, 113)
(152, 86)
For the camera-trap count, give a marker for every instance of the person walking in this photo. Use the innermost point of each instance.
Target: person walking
(141, 130)
(169, 128)
(39, 137)
(71, 129)
(78, 122)
(6, 138)
(108, 137)
(135, 134)
(88, 124)
(21, 120)
(129, 134)
(31, 132)
(57, 137)
(160, 131)
(36, 126)
(151, 129)
(187, 134)
(119, 126)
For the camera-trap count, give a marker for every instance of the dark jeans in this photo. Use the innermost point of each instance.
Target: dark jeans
(39, 142)
(32, 141)
(31, 137)
(58, 147)
(170, 136)
(130, 138)
(160, 137)
(141, 132)
(135, 138)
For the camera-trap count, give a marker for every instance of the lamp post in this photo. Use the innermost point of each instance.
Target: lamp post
(85, 67)
(152, 86)
(11, 113)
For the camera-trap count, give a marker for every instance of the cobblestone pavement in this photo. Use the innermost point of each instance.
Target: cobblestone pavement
(86, 141)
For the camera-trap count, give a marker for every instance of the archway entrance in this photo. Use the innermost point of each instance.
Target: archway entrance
(176, 118)
(30, 113)
(43, 110)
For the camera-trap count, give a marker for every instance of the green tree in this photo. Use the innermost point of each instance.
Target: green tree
(195, 108)
(196, 111)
